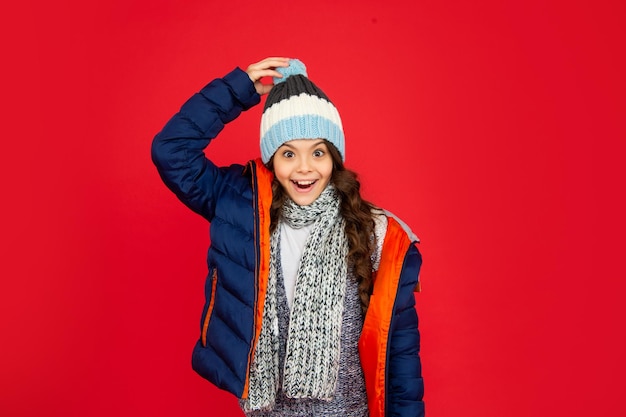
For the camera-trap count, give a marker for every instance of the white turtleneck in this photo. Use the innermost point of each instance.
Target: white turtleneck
(292, 243)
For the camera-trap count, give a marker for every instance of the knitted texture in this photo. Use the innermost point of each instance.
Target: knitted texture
(297, 109)
(295, 67)
(313, 343)
(350, 397)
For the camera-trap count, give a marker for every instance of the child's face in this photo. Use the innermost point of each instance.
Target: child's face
(303, 167)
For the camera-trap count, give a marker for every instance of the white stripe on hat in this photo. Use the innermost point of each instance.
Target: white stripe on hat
(300, 105)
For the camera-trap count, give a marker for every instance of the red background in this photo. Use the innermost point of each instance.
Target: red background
(495, 129)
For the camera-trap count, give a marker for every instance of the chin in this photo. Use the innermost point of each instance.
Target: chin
(304, 200)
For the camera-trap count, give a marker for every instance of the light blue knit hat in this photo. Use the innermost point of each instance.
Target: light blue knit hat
(297, 109)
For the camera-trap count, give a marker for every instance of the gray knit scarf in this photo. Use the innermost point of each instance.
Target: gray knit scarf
(312, 357)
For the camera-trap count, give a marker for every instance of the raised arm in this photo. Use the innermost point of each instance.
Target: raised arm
(178, 150)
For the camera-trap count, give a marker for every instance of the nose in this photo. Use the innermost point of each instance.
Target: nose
(304, 164)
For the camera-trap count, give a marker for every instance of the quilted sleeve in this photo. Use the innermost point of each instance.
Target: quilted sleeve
(178, 149)
(406, 387)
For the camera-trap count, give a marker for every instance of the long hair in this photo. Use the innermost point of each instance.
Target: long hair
(358, 217)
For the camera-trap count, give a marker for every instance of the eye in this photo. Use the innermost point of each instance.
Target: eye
(288, 154)
(318, 153)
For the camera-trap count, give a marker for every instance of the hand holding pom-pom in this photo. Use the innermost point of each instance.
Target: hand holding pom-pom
(266, 68)
(296, 67)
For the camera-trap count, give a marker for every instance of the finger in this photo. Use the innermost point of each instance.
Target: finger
(275, 61)
(262, 88)
(265, 88)
(256, 75)
(266, 68)
(269, 63)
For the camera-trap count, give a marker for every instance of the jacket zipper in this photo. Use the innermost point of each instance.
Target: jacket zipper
(207, 317)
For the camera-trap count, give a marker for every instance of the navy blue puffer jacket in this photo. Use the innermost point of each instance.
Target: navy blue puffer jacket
(236, 201)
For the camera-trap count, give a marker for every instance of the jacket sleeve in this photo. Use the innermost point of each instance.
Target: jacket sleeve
(406, 387)
(178, 150)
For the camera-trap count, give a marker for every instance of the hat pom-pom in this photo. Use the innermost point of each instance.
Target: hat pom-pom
(296, 67)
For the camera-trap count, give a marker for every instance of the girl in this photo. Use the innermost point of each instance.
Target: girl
(309, 298)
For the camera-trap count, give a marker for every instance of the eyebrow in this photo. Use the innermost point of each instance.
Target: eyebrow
(320, 142)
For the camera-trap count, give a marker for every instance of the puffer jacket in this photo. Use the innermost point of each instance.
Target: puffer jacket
(236, 201)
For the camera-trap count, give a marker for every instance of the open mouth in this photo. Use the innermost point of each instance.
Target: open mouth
(304, 185)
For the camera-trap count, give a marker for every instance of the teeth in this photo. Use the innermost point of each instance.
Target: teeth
(304, 182)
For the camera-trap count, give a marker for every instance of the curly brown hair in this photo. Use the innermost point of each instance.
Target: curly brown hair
(358, 217)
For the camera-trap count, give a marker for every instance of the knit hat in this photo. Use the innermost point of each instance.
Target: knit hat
(297, 109)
